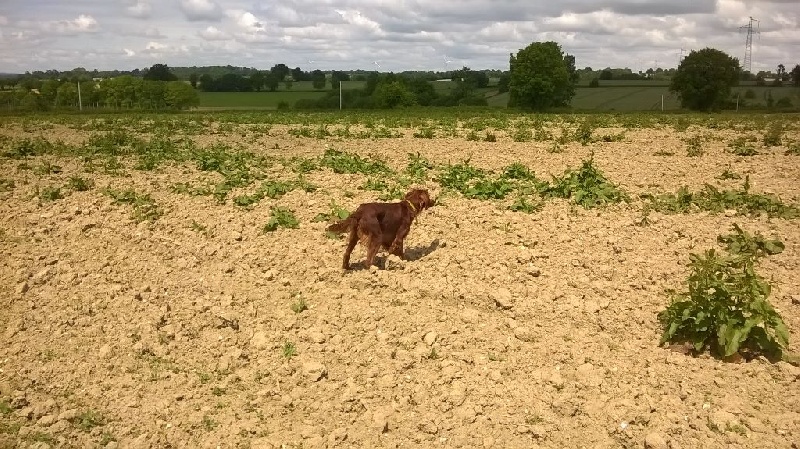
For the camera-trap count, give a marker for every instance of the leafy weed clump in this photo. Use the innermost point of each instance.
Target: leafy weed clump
(22, 148)
(6, 185)
(458, 176)
(740, 147)
(726, 308)
(583, 133)
(269, 189)
(714, 200)
(343, 162)
(694, 146)
(281, 217)
(336, 213)
(50, 193)
(144, 207)
(79, 184)
(586, 186)
(741, 243)
(773, 135)
(418, 166)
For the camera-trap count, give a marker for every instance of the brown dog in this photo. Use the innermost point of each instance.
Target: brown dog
(384, 225)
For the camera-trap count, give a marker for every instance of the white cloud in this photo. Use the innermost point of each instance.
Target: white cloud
(3, 20)
(211, 33)
(82, 24)
(197, 10)
(140, 9)
(128, 52)
(354, 17)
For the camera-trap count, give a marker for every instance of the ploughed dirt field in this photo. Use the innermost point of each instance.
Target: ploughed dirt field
(168, 283)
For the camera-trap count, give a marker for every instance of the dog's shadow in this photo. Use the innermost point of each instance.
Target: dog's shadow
(411, 255)
(417, 253)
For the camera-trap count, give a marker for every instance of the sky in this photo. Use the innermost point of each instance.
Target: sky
(385, 35)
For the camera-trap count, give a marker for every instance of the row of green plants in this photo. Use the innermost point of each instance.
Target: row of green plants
(468, 119)
(238, 169)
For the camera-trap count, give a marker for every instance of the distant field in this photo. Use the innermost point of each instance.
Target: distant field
(610, 96)
(640, 98)
(248, 100)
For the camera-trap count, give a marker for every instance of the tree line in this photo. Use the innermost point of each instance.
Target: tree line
(123, 92)
(389, 90)
(541, 76)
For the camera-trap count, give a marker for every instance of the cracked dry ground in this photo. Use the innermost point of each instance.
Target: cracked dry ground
(505, 329)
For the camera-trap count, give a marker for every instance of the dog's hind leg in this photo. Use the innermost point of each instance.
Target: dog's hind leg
(370, 230)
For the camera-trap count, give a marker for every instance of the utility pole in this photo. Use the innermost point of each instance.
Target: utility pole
(748, 45)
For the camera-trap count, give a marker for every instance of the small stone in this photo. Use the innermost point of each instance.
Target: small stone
(722, 419)
(22, 288)
(58, 427)
(338, 435)
(430, 338)
(68, 415)
(756, 425)
(533, 271)
(236, 235)
(46, 420)
(654, 441)
(42, 276)
(112, 445)
(470, 315)
(587, 375)
(428, 427)
(316, 336)
(591, 306)
(495, 375)
(796, 300)
(730, 212)
(380, 422)
(316, 441)
(104, 352)
(502, 297)
(394, 263)
(260, 340)
(538, 431)
(556, 379)
(524, 334)
(314, 370)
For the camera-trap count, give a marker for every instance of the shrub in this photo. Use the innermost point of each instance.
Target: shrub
(726, 307)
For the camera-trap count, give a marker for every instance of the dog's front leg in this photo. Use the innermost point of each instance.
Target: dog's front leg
(397, 249)
(397, 244)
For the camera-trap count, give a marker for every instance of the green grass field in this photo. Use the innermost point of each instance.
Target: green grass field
(610, 96)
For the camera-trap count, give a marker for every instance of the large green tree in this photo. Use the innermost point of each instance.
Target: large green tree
(542, 77)
(318, 79)
(704, 79)
(159, 72)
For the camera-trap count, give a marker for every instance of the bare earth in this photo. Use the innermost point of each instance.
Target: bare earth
(503, 329)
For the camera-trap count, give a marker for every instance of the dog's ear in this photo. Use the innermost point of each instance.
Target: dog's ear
(426, 200)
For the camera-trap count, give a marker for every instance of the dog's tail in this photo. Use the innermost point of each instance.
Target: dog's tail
(341, 226)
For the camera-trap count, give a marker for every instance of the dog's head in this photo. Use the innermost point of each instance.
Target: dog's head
(420, 199)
